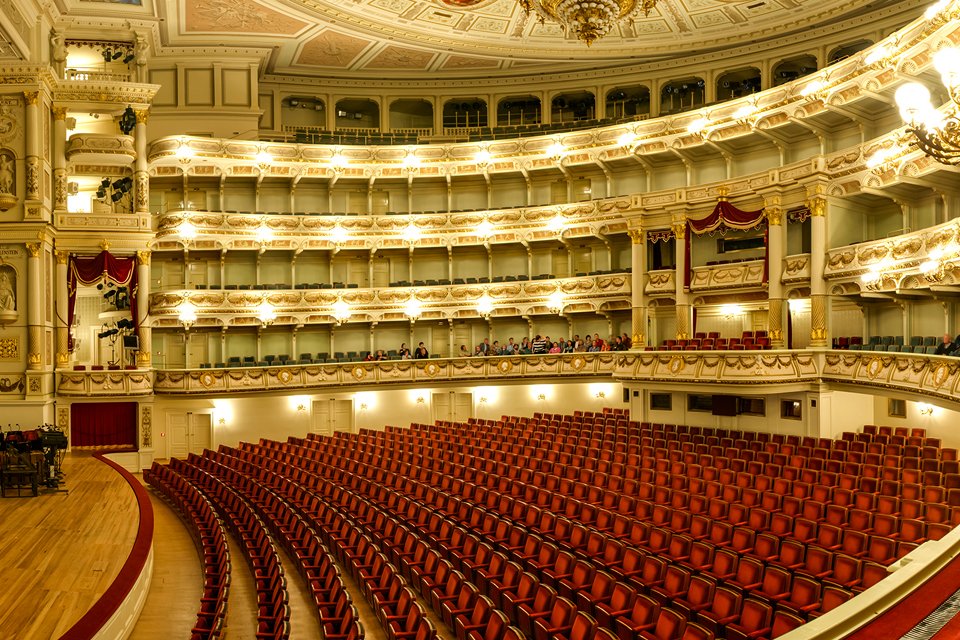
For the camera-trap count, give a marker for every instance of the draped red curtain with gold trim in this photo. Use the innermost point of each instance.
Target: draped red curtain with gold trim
(89, 271)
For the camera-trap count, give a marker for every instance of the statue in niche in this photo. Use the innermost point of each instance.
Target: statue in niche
(8, 294)
(8, 179)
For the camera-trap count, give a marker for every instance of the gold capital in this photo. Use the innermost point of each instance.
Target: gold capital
(817, 207)
(774, 216)
(33, 248)
(637, 236)
(679, 230)
(59, 113)
(62, 256)
(142, 115)
(32, 97)
(143, 257)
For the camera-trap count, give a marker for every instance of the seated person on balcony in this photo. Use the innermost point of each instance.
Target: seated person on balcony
(404, 352)
(510, 348)
(948, 346)
(421, 353)
(555, 348)
(627, 342)
(464, 353)
(484, 347)
(496, 350)
(525, 348)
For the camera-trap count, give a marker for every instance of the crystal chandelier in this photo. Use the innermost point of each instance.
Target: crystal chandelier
(587, 19)
(937, 132)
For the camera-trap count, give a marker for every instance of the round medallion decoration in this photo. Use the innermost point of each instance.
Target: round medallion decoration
(504, 366)
(874, 367)
(431, 369)
(207, 380)
(578, 363)
(676, 364)
(359, 373)
(940, 374)
(285, 376)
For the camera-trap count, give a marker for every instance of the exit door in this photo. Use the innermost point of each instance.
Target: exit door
(189, 433)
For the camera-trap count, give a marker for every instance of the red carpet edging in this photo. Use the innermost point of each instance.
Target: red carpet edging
(100, 613)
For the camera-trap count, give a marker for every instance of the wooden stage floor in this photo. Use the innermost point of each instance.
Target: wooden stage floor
(60, 551)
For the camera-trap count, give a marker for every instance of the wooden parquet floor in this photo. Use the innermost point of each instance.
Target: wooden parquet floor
(60, 551)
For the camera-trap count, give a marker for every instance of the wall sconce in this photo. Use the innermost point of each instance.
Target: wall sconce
(363, 406)
(730, 311)
(412, 233)
(482, 400)
(411, 161)
(600, 395)
(541, 396)
(338, 163)
(485, 305)
(222, 422)
(555, 302)
(484, 229)
(187, 231)
(556, 151)
(413, 309)
(482, 158)
(338, 235)
(925, 409)
(264, 233)
(556, 224)
(187, 314)
(264, 160)
(184, 153)
(697, 126)
(341, 311)
(266, 313)
(301, 408)
(421, 400)
(627, 139)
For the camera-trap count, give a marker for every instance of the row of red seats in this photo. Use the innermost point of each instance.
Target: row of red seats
(601, 574)
(598, 575)
(304, 545)
(273, 612)
(210, 537)
(401, 615)
(463, 607)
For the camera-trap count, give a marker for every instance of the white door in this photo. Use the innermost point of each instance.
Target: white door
(197, 350)
(583, 260)
(440, 341)
(560, 263)
(441, 405)
(463, 407)
(343, 415)
(359, 272)
(171, 275)
(196, 273)
(321, 417)
(189, 433)
(381, 272)
(462, 335)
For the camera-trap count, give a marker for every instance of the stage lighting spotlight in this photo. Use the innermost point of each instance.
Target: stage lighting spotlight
(107, 55)
(116, 195)
(127, 59)
(117, 55)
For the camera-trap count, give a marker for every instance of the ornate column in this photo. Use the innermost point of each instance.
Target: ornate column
(59, 159)
(62, 328)
(817, 203)
(34, 307)
(32, 135)
(143, 308)
(141, 179)
(638, 281)
(776, 231)
(684, 330)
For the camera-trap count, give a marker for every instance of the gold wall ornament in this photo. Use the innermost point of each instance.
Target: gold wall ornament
(63, 257)
(32, 166)
(637, 236)
(59, 113)
(33, 248)
(32, 98)
(143, 258)
(146, 426)
(142, 115)
(774, 216)
(9, 348)
(679, 230)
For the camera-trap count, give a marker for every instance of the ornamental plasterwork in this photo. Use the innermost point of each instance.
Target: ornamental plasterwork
(743, 274)
(9, 348)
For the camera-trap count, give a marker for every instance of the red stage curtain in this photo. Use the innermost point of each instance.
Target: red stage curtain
(726, 215)
(103, 424)
(89, 271)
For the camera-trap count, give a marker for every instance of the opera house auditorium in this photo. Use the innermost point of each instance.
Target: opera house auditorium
(480, 319)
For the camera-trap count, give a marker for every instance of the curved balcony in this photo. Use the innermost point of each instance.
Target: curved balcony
(925, 259)
(125, 382)
(241, 308)
(803, 106)
(733, 276)
(236, 230)
(396, 372)
(100, 149)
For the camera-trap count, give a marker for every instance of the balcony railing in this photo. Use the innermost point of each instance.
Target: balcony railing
(739, 275)
(395, 372)
(127, 382)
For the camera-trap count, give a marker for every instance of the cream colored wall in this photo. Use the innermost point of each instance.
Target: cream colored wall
(276, 417)
(938, 420)
(844, 411)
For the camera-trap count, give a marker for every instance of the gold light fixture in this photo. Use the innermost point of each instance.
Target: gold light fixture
(937, 133)
(588, 20)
